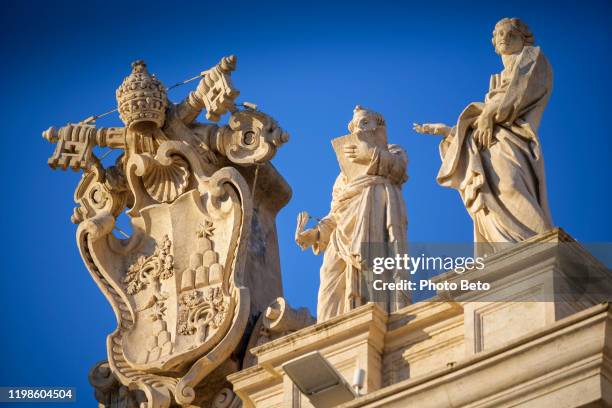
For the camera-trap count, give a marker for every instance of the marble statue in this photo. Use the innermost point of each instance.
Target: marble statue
(367, 209)
(492, 156)
(201, 262)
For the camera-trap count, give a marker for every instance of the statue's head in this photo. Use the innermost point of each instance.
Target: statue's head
(510, 35)
(142, 100)
(365, 119)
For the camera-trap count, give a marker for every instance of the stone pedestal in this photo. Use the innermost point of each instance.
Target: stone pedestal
(354, 340)
(529, 341)
(565, 365)
(532, 285)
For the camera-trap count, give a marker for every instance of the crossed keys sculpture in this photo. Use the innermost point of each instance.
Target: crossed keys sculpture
(178, 284)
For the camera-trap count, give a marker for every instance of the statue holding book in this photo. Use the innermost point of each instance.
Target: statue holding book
(368, 215)
(492, 156)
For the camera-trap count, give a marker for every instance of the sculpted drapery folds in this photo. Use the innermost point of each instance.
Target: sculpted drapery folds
(367, 211)
(492, 156)
(178, 284)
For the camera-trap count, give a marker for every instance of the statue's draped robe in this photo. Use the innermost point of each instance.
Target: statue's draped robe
(370, 209)
(503, 187)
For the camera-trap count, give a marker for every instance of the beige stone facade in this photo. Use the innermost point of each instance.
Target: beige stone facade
(461, 352)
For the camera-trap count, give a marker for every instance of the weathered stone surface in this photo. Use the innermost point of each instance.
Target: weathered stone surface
(545, 278)
(197, 290)
(492, 156)
(186, 283)
(367, 190)
(353, 340)
(434, 354)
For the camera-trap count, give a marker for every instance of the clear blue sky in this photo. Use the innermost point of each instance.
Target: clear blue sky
(308, 66)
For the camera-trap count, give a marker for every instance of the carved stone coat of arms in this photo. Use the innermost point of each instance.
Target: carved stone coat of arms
(178, 284)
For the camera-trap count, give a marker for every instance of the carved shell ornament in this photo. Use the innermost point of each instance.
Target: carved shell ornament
(161, 178)
(165, 183)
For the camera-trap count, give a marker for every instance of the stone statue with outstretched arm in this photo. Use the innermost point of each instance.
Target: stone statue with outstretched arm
(492, 156)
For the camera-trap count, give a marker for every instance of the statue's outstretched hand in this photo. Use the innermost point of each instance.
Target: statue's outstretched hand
(308, 238)
(432, 128)
(305, 238)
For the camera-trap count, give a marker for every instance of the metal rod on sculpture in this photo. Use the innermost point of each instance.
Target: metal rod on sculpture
(106, 154)
(186, 81)
(121, 232)
(255, 179)
(93, 118)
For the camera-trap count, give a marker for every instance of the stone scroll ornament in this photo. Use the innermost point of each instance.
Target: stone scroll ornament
(177, 284)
